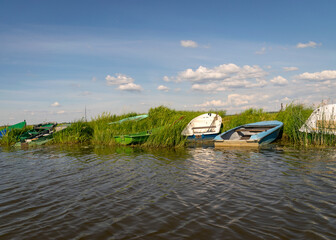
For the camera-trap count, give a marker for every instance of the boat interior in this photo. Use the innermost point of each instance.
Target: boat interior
(244, 132)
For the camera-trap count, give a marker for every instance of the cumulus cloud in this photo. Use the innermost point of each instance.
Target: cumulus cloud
(318, 76)
(308, 44)
(234, 100)
(212, 103)
(279, 81)
(289, 69)
(55, 104)
(221, 77)
(118, 79)
(61, 112)
(125, 83)
(189, 44)
(222, 72)
(163, 88)
(131, 87)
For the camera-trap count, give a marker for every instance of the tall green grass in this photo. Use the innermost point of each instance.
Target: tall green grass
(168, 125)
(77, 132)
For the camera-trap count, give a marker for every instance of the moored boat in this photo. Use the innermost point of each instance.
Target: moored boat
(135, 138)
(203, 127)
(250, 135)
(322, 120)
(135, 118)
(39, 135)
(19, 125)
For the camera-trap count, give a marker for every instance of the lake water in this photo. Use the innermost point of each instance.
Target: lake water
(88, 192)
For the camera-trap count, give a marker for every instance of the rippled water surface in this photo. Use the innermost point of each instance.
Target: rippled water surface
(197, 193)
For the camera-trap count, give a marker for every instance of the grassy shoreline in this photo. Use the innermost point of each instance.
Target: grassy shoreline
(170, 124)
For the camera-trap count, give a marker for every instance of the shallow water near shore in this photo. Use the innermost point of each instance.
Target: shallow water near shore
(90, 192)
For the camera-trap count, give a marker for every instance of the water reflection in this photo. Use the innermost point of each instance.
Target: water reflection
(95, 192)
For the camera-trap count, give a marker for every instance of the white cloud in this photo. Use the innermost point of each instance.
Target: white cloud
(211, 87)
(318, 76)
(309, 44)
(236, 100)
(61, 112)
(125, 83)
(163, 88)
(130, 87)
(212, 103)
(222, 77)
(118, 80)
(189, 44)
(55, 104)
(279, 81)
(289, 69)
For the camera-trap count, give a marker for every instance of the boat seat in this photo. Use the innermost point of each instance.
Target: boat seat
(245, 137)
(203, 127)
(252, 130)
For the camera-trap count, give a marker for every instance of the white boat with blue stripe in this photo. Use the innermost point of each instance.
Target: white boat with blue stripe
(204, 127)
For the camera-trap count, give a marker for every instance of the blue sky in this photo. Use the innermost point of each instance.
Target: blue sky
(59, 57)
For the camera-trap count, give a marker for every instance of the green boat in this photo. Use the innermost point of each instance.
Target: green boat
(19, 125)
(135, 118)
(39, 135)
(136, 138)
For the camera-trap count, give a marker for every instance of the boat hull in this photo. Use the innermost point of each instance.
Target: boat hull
(203, 137)
(129, 139)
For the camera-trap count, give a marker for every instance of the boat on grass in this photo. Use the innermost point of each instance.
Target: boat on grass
(19, 125)
(322, 120)
(204, 127)
(135, 138)
(250, 135)
(39, 135)
(135, 118)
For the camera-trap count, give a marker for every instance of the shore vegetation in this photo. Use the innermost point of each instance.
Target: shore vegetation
(166, 125)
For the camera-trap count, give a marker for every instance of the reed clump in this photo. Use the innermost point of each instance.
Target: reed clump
(77, 132)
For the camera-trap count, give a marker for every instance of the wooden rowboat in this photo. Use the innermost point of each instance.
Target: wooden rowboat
(250, 135)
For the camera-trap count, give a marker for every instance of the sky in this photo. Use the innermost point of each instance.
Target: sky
(60, 60)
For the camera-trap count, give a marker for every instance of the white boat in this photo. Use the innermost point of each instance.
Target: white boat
(203, 127)
(322, 120)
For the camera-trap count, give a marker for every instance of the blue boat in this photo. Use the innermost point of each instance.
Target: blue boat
(250, 135)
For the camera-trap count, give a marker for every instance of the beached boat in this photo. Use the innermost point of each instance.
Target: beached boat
(250, 135)
(322, 120)
(39, 135)
(129, 139)
(19, 125)
(203, 127)
(135, 118)
(136, 138)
